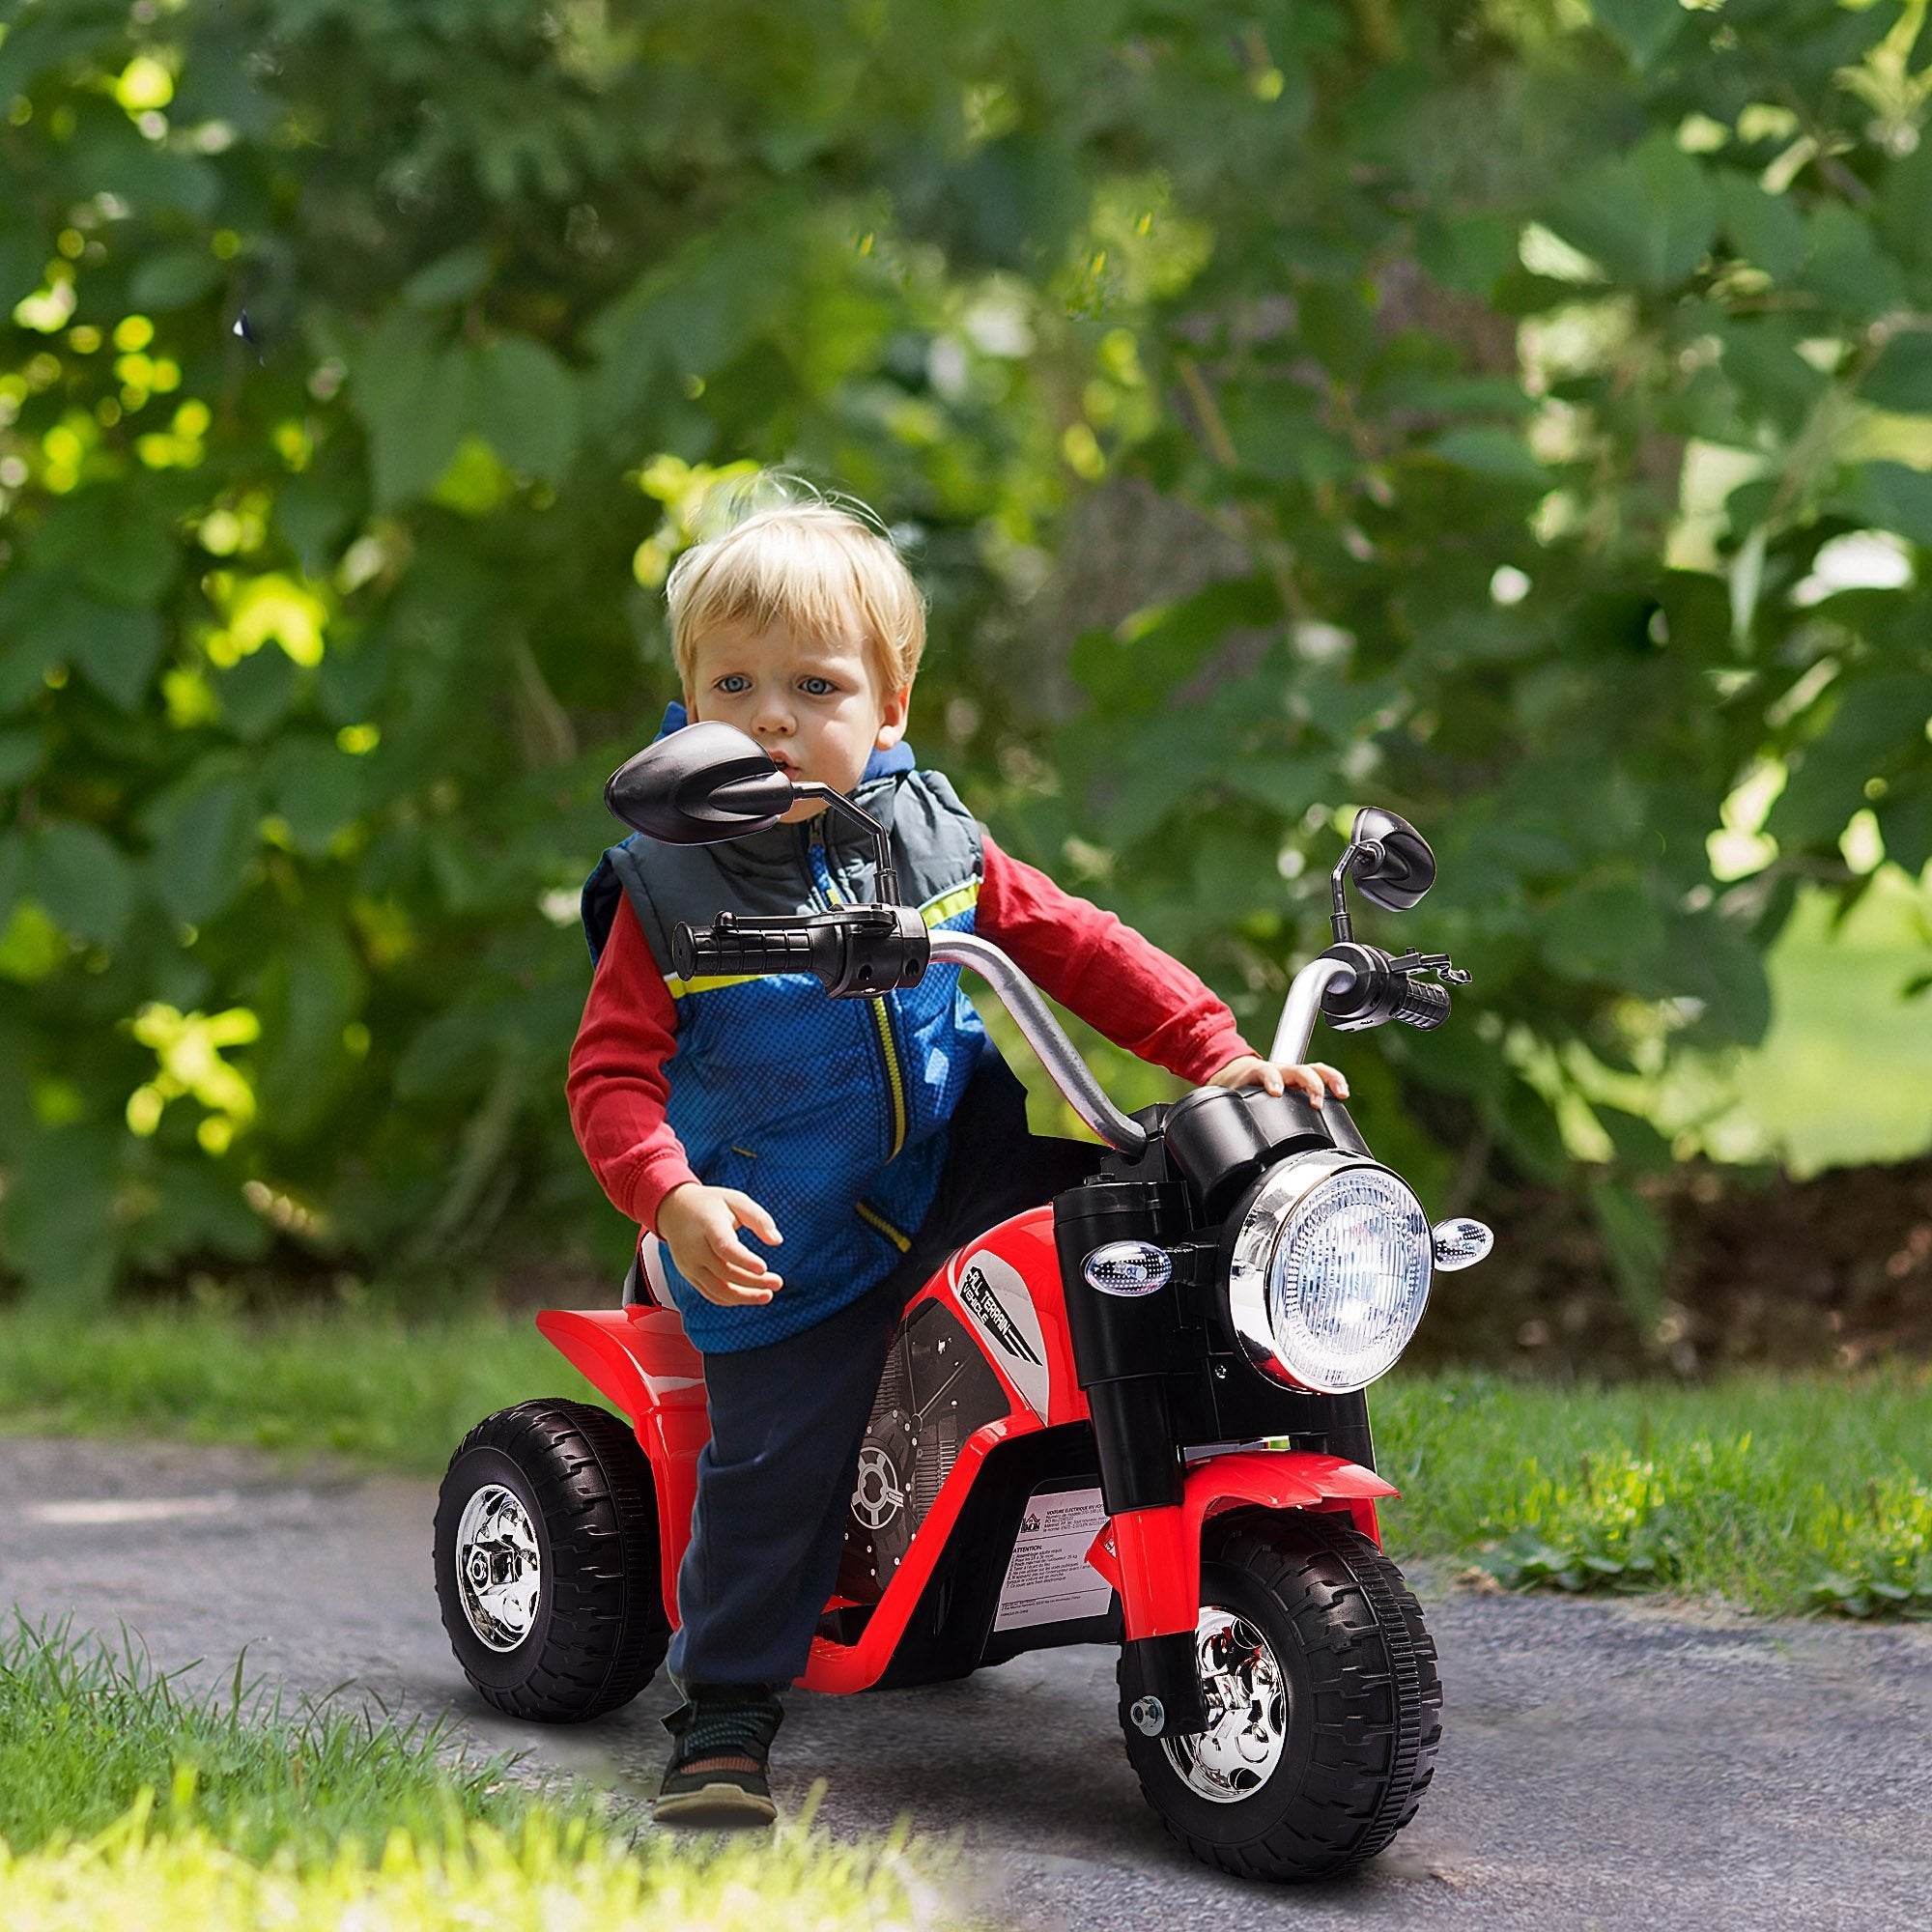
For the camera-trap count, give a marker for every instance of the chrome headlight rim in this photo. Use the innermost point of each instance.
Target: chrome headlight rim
(1277, 1196)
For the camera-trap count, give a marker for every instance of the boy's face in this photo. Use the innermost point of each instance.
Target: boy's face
(817, 705)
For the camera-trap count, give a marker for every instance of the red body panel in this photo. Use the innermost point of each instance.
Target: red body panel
(640, 1359)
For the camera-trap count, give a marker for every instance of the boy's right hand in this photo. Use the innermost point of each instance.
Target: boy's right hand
(699, 1225)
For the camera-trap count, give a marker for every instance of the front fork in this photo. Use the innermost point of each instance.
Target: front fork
(1124, 1348)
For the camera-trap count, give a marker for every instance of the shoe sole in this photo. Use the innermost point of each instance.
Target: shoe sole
(715, 1806)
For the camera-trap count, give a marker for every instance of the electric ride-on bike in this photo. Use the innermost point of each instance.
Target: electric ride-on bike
(1134, 1416)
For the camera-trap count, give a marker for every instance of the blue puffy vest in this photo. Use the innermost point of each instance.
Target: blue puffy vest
(832, 1113)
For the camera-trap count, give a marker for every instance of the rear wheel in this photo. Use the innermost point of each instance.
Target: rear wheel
(546, 1562)
(1323, 1705)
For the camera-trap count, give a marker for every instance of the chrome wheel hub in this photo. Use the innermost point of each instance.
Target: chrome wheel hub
(499, 1569)
(1246, 1696)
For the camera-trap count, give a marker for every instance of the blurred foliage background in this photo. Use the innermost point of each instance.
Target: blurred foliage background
(1515, 412)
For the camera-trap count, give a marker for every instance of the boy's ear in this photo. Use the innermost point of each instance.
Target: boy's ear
(893, 718)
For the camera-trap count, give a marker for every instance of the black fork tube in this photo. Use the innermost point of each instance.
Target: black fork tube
(1124, 1346)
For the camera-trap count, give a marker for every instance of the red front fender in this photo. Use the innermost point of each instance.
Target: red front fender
(1153, 1557)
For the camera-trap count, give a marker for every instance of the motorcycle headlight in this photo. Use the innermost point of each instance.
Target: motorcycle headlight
(1330, 1273)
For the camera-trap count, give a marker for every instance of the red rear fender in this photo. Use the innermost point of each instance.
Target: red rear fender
(639, 1359)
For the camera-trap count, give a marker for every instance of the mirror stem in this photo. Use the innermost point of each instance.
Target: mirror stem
(886, 884)
(1343, 927)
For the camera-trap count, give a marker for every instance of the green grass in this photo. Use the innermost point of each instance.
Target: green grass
(1781, 1494)
(127, 1801)
(385, 1392)
(84, 1732)
(1778, 1493)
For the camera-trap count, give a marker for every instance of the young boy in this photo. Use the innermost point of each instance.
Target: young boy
(868, 1138)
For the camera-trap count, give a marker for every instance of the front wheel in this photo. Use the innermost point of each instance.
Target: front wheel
(1323, 1705)
(546, 1562)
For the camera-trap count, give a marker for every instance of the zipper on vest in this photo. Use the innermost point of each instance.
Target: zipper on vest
(826, 892)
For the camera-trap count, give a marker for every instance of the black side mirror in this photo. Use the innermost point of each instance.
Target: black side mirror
(1390, 859)
(709, 782)
(701, 784)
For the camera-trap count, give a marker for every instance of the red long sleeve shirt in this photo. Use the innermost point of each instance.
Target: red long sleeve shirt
(1122, 984)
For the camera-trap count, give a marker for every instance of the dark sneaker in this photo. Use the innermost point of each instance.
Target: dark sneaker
(715, 1778)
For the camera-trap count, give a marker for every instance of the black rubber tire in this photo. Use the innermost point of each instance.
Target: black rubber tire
(1365, 1703)
(600, 1631)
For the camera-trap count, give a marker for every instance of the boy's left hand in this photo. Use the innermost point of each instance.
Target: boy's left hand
(1313, 1078)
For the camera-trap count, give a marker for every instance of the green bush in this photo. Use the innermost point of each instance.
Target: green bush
(1517, 417)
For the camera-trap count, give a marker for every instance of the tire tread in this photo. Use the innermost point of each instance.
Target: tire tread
(1376, 1697)
(593, 1490)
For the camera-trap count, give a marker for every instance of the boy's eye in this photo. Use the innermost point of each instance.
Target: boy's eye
(817, 687)
(733, 682)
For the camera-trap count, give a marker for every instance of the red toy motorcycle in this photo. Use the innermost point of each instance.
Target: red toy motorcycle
(1134, 1416)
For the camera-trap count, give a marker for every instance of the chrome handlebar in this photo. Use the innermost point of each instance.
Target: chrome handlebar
(1303, 1004)
(1045, 1035)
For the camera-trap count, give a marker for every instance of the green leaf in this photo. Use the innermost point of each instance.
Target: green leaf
(1713, 962)
(57, 1222)
(1338, 326)
(174, 278)
(1640, 1148)
(1889, 496)
(1285, 785)
(317, 790)
(695, 311)
(453, 277)
(118, 544)
(1611, 931)
(413, 397)
(52, 622)
(1905, 823)
(1878, 724)
(197, 1209)
(80, 876)
(22, 259)
(1469, 253)
(310, 995)
(1638, 1243)
(1846, 266)
(1901, 379)
(1643, 28)
(315, 512)
(1765, 229)
(1905, 208)
(526, 405)
(204, 835)
(117, 650)
(1648, 218)
(1486, 450)
(256, 692)
(22, 750)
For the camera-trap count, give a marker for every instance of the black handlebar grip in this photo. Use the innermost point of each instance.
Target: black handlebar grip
(1422, 1005)
(724, 951)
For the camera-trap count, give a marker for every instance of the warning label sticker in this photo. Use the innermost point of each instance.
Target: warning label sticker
(1049, 1579)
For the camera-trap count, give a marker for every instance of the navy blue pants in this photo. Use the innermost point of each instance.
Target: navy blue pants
(788, 1420)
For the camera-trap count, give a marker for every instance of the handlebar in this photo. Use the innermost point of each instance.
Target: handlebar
(869, 950)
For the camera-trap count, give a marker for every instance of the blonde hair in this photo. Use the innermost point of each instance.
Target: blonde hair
(814, 567)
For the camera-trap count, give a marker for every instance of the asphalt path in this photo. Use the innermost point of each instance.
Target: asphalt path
(1605, 1766)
